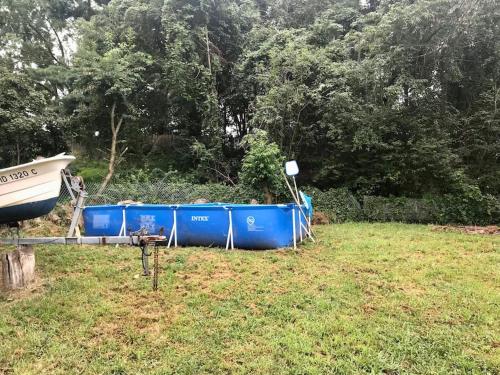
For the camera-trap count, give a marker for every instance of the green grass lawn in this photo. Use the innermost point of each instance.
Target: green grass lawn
(366, 298)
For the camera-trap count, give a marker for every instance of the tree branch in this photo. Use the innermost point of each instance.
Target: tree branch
(46, 43)
(113, 107)
(227, 178)
(61, 47)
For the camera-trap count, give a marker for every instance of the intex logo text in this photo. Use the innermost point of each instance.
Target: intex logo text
(199, 218)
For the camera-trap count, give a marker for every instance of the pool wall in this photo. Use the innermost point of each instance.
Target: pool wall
(214, 224)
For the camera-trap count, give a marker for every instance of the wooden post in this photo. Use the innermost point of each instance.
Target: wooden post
(17, 268)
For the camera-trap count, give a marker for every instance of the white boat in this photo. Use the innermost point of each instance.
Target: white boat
(31, 190)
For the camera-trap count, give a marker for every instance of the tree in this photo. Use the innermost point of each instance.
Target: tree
(109, 76)
(262, 164)
(382, 97)
(26, 126)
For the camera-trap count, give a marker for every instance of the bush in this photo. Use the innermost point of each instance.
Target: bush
(469, 208)
(262, 164)
(338, 204)
(405, 210)
(93, 171)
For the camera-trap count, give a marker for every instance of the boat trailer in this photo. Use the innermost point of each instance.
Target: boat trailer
(140, 239)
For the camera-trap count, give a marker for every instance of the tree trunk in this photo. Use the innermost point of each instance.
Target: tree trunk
(208, 50)
(17, 268)
(268, 196)
(18, 152)
(115, 129)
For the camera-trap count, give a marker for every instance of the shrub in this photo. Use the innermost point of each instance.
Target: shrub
(471, 208)
(338, 204)
(92, 171)
(402, 209)
(262, 164)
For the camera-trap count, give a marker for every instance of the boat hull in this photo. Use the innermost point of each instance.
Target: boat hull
(27, 211)
(31, 190)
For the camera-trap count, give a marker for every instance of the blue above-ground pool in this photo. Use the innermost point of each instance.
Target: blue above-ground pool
(264, 226)
(202, 225)
(103, 220)
(253, 226)
(154, 218)
(115, 220)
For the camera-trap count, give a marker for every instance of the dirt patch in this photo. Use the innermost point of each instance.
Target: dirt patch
(469, 229)
(35, 288)
(204, 273)
(320, 218)
(207, 280)
(144, 313)
(411, 290)
(203, 256)
(369, 309)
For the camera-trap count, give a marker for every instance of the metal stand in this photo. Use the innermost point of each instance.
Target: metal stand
(75, 185)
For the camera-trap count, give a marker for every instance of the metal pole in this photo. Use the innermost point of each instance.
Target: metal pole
(174, 231)
(77, 212)
(300, 228)
(297, 201)
(296, 190)
(68, 185)
(123, 230)
(175, 226)
(293, 224)
(230, 232)
(103, 240)
(289, 187)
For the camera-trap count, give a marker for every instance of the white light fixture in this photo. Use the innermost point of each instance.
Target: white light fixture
(291, 168)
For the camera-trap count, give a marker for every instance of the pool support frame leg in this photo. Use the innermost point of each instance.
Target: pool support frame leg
(230, 232)
(173, 232)
(123, 229)
(300, 228)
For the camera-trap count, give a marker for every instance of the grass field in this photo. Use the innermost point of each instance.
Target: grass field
(367, 298)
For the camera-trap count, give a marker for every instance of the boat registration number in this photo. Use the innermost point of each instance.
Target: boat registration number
(19, 175)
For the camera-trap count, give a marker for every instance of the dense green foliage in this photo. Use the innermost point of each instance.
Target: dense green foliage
(262, 165)
(390, 97)
(338, 204)
(471, 209)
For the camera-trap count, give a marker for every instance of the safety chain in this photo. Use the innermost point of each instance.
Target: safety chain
(145, 261)
(155, 267)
